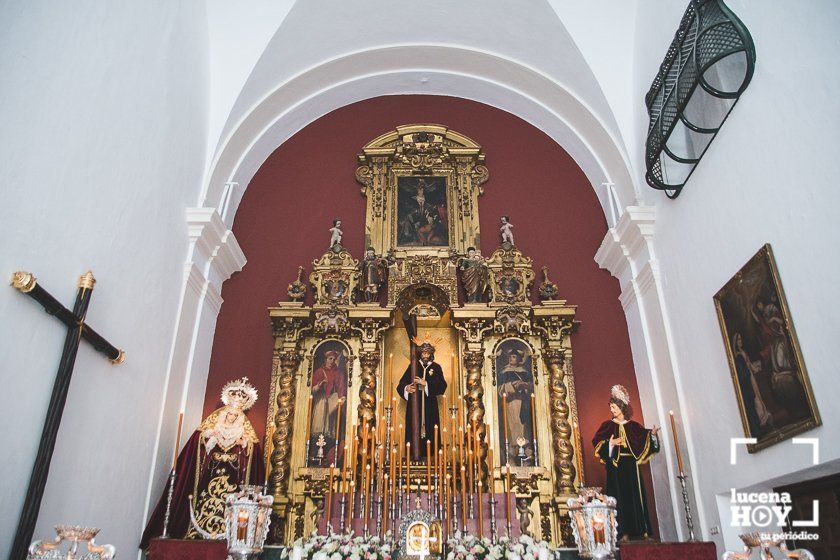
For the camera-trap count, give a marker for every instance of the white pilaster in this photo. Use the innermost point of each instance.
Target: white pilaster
(627, 252)
(213, 256)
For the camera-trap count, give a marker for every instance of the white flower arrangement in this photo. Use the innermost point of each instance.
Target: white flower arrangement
(339, 547)
(459, 547)
(470, 547)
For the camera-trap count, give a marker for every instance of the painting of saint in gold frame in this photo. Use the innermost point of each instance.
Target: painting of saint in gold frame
(329, 396)
(514, 367)
(422, 212)
(771, 383)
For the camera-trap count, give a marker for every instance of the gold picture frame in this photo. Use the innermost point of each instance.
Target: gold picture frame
(771, 383)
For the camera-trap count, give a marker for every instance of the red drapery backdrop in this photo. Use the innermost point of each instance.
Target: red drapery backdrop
(288, 208)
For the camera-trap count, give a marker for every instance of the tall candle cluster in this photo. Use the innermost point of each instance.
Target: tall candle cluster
(377, 481)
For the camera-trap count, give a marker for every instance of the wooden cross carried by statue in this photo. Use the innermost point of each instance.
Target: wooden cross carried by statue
(76, 331)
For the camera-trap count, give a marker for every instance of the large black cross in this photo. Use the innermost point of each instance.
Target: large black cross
(76, 331)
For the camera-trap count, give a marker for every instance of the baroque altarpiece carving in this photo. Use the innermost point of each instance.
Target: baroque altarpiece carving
(508, 360)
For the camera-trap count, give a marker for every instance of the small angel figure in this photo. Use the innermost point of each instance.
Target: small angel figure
(336, 233)
(506, 229)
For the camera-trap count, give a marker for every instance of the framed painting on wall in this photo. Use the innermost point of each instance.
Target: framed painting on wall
(771, 383)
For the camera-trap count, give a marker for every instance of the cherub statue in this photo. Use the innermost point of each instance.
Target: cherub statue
(336, 233)
(506, 229)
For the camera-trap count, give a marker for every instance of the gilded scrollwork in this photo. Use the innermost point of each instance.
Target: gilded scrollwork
(421, 150)
(290, 328)
(512, 319)
(369, 362)
(560, 428)
(283, 421)
(300, 510)
(473, 363)
(331, 320)
(554, 327)
(335, 276)
(473, 328)
(422, 269)
(545, 520)
(370, 329)
(512, 276)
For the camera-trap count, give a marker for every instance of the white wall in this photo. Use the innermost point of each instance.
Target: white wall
(104, 110)
(769, 176)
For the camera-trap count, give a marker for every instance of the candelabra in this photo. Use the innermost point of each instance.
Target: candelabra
(687, 505)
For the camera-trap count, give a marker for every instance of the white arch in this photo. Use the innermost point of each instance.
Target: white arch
(451, 70)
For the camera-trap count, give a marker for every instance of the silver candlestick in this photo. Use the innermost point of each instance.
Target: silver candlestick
(536, 454)
(165, 534)
(343, 503)
(455, 513)
(379, 514)
(399, 496)
(388, 412)
(492, 516)
(688, 520)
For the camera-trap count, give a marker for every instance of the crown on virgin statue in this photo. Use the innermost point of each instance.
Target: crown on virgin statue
(239, 394)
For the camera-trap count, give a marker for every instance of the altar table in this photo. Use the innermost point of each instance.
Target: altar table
(667, 551)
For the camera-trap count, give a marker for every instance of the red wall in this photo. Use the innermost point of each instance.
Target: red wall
(287, 209)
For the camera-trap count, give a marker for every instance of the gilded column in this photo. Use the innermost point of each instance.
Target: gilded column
(369, 360)
(561, 430)
(287, 365)
(473, 363)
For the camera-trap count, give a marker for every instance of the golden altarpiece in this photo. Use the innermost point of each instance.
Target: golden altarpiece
(441, 172)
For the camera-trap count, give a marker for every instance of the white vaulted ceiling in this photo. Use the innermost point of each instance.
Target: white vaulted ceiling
(286, 64)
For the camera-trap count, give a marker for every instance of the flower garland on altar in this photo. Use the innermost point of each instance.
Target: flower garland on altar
(524, 547)
(460, 547)
(338, 546)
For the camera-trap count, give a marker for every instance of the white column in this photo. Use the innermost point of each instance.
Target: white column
(213, 256)
(627, 252)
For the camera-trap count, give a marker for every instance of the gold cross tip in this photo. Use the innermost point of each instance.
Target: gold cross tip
(119, 359)
(87, 280)
(23, 281)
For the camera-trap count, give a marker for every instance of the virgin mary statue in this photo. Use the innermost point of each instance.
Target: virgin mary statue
(223, 453)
